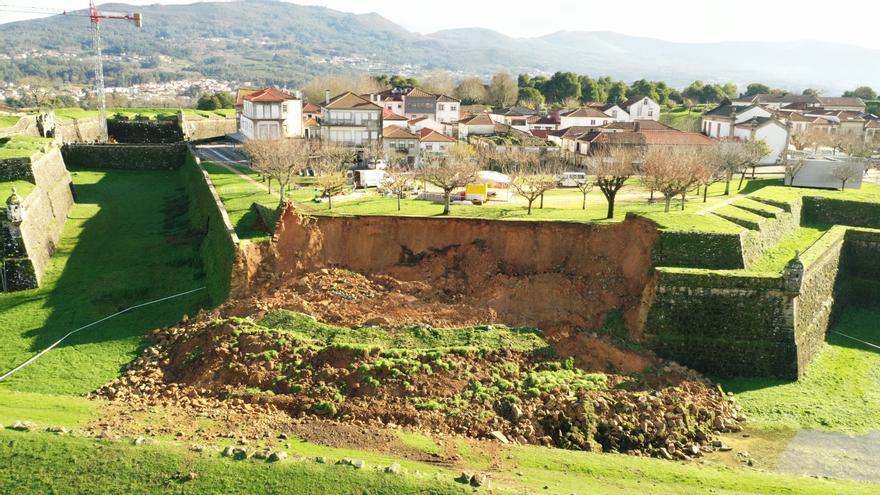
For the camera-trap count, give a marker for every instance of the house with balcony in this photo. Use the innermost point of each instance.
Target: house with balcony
(270, 114)
(400, 143)
(415, 103)
(432, 142)
(351, 120)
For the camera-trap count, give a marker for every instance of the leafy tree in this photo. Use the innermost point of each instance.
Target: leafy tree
(712, 93)
(810, 92)
(208, 102)
(729, 90)
(562, 86)
(694, 91)
(617, 92)
(863, 92)
(397, 81)
(592, 90)
(530, 97)
(756, 89)
(645, 88)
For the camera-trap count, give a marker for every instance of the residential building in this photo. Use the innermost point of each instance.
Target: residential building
(433, 142)
(776, 102)
(584, 117)
(391, 118)
(311, 111)
(478, 125)
(872, 130)
(351, 120)
(597, 140)
(545, 123)
(448, 109)
(270, 114)
(413, 103)
(842, 103)
(417, 124)
(721, 120)
(641, 108)
(401, 142)
(768, 129)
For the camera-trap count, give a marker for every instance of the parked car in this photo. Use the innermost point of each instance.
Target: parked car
(571, 179)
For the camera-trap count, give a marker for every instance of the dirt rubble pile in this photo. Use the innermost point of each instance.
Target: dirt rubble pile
(519, 390)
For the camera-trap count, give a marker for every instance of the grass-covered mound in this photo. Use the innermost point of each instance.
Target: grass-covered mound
(469, 381)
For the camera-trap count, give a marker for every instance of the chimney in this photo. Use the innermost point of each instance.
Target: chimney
(326, 96)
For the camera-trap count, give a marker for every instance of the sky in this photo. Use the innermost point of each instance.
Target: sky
(840, 21)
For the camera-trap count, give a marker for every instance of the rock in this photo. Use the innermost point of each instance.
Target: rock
(277, 456)
(479, 480)
(23, 426)
(393, 469)
(665, 454)
(725, 448)
(321, 460)
(497, 435)
(140, 441)
(358, 464)
(516, 412)
(228, 452)
(262, 454)
(282, 436)
(464, 477)
(56, 429)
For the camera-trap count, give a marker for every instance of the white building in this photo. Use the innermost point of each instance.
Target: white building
(641, 108)
(584, 117)
(719, 122)
(271, 114)
(350, 120)
(477, 125)
(448, 109)
(749, 123)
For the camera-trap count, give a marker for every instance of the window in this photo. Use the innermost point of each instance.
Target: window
(593, 122)
(440, 107)
(453, 108)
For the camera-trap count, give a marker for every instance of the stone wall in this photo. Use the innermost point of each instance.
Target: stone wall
(85, 130)
(861, 268)
(203, 129)
(144, 131)
(125, 156)
(218, 246)
(25, 258)
(699, 249)
(735, 323)
(770, 230)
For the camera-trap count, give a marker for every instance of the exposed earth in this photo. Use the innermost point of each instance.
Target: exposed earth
(381, 354)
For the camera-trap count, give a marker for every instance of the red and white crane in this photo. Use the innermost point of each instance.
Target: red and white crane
(95, 19)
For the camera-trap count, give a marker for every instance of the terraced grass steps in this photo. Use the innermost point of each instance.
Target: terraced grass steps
(740, 217)
(758, 208)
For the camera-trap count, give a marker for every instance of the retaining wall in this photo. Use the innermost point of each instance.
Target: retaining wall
(125, 156)
(25, 258)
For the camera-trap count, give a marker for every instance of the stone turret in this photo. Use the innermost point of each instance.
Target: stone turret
(793, 274)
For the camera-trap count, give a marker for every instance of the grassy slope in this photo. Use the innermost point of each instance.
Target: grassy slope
(775, 258)
(8, 120)
(561, 204)
(21, 146)
(61, 464)
(840, 390)
(117, 250)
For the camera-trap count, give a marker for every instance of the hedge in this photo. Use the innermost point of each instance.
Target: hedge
(145, 131)
(841, 212)
(217, 247)
(125, 156)
(698, 250)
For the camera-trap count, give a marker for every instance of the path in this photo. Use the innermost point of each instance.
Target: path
(222, 157)
(719, 204)
(835, 455)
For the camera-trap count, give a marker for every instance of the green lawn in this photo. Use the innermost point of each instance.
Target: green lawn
(46, 463)
(150, 113)
(22, 187)
(238, 195)
(21, 146)
(683, 119)
(8, 120)
(125, 242)
(868, 192)
(840, 390)
(775, 258)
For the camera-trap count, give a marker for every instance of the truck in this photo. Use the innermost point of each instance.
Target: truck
(365, 178)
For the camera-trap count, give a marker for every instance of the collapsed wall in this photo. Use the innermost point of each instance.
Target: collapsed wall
(544, 274)
(28, 245)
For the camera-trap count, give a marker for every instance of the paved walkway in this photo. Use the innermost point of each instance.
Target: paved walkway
(222, 159)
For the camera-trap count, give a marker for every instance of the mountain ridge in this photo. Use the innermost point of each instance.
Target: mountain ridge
(231, 40)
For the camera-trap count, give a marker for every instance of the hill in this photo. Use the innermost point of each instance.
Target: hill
(234, 41)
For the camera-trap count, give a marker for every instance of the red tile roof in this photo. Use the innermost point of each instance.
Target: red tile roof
(269, 95)
(586, 112)
(432, 136)
(351, 101)
(397, 132)
(311, 108)
(478, 119)
(389, 115)
(241, 93)
(311, 122)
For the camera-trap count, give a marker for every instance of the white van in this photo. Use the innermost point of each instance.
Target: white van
(365, 178)
(571, 179)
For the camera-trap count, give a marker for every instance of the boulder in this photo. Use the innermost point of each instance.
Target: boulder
(497, 435)
(23, 426)
(277, 456)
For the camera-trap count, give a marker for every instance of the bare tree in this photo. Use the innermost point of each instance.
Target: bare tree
(338, 84)
(329, 162)
(672, 171)
(585, 186)
(438, 82)
(845, 172)
(803, 137)
(279, 159)
(448, 174)
(503, 90)
(530, 177)
(471, 90)
(612, 168)
(710, 169)
(793, 165)
(736, 157)
(399, 179)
